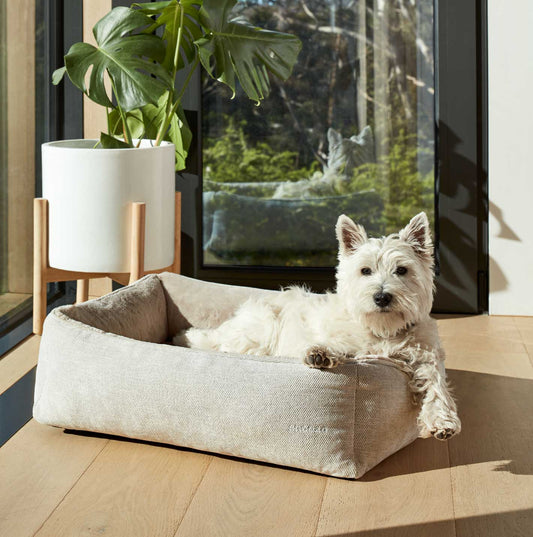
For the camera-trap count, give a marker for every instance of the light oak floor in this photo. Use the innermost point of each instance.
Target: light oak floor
(477, 484)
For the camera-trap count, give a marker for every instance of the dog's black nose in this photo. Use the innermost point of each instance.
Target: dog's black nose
(382, 299)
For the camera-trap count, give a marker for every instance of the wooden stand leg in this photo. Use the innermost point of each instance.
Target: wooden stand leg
(176, 265)
(138, 220)
(43, 273)
(82, 291)
(40, 260)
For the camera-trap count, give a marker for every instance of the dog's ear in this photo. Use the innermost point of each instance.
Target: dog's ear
(418, 234)
(349, 234)
(334, 137)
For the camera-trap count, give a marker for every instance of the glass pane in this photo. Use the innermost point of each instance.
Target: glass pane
(17, 158)
(352, 131)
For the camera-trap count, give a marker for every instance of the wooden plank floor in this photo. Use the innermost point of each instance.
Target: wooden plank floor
(477, 484)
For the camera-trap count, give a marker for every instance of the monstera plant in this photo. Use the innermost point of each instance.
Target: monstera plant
(132, 72)
(139, 50)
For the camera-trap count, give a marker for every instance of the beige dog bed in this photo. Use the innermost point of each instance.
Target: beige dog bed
(106, 366)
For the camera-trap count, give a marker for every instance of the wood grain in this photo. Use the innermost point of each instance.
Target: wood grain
(529, 349)
(38, 466)
(100, 287)
(477, 484)
(525, 327)
(407, 495)
(132, 489)
(40, 262)
(492, 460)
(238, 498)
(138, 225)
(82, 290)
(480, 333)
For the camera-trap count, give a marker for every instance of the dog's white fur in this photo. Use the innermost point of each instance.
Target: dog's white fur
(327, 329)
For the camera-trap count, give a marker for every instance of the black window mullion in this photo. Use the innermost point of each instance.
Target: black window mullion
(461, 125)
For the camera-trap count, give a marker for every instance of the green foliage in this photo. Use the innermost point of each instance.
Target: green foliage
(251, 228)
(145, 122)
(232, 159)
(233, 48)
(131, 61)
(142, 67)
(395, 177)
(179, 20)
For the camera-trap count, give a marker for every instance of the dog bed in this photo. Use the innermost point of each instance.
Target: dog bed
(107, 366)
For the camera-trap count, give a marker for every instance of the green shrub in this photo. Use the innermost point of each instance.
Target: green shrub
(233, 159)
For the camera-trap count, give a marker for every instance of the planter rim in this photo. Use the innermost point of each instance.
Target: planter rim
(84, 144)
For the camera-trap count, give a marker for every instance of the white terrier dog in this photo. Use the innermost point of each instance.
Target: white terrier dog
(381, 308)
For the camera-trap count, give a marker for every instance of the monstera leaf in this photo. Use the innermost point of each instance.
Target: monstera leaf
(110, 142)
(175, 17)
(178, 132)
(145, 123)
(142, 66)
(129, 60)
(233, 48)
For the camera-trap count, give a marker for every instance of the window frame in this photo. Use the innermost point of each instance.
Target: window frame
(62, 113)
(61, 109)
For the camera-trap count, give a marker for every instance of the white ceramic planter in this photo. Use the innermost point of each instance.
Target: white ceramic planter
(90, 193)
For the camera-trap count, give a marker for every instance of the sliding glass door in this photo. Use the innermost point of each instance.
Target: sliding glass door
(17, 159)
(383, 117)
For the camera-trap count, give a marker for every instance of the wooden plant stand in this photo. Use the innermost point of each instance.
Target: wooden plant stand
(43, 273)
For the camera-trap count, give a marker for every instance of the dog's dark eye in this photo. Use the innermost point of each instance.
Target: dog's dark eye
(401, 271)
(365, 271)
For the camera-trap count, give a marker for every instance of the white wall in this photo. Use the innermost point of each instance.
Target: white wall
(510, 108)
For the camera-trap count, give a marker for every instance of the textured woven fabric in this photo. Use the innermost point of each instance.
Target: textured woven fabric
(102, 367)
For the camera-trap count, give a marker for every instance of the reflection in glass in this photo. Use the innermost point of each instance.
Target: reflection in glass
(352, 131)
(17, 153)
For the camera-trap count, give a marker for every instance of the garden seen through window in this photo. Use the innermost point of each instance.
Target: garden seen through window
(351, 131)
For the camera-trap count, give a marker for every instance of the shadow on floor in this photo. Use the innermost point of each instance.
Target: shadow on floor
(509, 524)
(496, 427)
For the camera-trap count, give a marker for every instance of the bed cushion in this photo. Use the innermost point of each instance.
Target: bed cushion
(104, 366)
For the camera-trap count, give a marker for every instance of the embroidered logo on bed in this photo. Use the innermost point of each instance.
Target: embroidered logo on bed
(308, 429)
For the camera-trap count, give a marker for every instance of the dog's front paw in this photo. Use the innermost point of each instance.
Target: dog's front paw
(320, 358)
(443, 434)
(442, 428)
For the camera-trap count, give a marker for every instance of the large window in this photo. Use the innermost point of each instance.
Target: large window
(17, 158)
(352, 131)
(33, 38)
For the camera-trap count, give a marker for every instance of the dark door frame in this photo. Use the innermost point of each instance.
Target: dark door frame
(461, 119)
